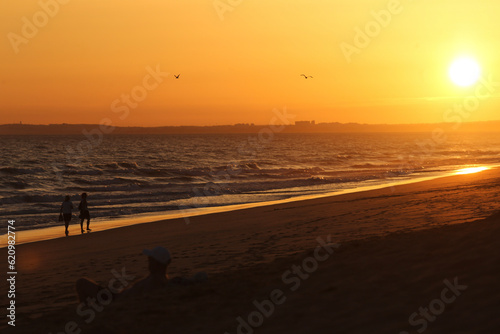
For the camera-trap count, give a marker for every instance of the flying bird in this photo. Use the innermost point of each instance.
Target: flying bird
(177, 76)
(307, 77)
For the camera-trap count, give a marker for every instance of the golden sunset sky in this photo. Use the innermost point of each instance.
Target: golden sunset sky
(240, 59)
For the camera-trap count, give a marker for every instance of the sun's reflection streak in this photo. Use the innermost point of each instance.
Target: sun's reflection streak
(471, 170)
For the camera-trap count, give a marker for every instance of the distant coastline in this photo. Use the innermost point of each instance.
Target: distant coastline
(299, 127)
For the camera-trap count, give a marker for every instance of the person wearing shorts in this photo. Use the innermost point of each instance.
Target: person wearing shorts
(84, 212)
(66, 208)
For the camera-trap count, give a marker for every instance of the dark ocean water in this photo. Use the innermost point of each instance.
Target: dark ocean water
(126, 175)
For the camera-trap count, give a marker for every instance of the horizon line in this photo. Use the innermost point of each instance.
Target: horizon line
(249, 124)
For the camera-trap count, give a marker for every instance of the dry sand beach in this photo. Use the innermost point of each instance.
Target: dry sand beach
(429, 245)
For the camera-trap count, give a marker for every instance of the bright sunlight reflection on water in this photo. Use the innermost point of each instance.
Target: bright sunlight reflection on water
(471, 170)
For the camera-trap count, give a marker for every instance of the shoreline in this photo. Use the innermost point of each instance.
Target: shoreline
(54, 232)
(396, 250)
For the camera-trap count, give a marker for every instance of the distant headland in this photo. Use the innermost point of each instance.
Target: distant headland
(297, 127)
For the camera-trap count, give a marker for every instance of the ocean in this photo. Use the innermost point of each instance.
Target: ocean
(127, 175)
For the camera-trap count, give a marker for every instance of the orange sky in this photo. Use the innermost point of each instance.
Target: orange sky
(83, 60)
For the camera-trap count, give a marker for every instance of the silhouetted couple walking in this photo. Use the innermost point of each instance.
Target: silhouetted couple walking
(67, 208)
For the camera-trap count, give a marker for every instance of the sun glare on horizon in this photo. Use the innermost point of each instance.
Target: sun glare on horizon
(464, 72)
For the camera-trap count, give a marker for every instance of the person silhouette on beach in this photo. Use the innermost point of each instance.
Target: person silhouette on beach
(84, 212)
(66, 208)
(158, 261)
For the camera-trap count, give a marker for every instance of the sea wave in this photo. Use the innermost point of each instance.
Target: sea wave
(22, 171)
(122, 176)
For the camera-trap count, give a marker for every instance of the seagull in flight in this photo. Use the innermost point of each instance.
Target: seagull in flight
(305, 76)
(177, 76)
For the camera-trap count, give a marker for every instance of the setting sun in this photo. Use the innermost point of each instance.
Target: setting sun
(464, 72)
